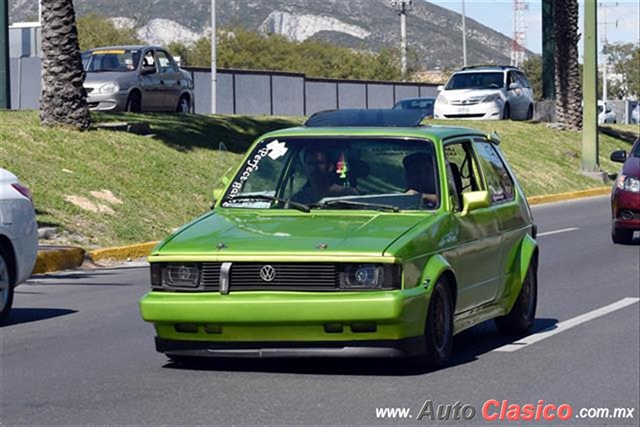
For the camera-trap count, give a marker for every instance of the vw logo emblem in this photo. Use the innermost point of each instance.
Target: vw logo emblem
(267, 273)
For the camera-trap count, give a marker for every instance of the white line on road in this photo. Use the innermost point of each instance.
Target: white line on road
(564, 230)
(567, 324)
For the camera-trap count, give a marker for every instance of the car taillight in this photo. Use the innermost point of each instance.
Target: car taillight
(24, 191)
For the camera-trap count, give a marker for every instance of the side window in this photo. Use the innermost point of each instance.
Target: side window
(462, 171)
(499, 182)
(149, 60)
(510, 79)
(164, 63)
(523, 80)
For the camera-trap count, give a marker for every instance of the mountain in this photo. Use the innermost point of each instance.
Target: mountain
(433, 33)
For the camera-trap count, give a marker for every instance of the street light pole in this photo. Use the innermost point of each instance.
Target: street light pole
(464, 37)
(214, 76)
(402, 7)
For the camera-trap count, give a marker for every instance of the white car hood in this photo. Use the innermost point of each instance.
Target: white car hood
(458, 94)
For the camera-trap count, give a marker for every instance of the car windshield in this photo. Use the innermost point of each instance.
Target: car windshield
(384, 174)
(104, 60)
(485, 80)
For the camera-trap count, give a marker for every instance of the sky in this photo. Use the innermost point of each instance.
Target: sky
(498, 14)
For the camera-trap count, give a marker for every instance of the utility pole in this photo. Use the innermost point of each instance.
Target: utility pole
(214, 75)
(5, 86)
(590, 90)
(605, 53)
(402, 7)
(464, 36)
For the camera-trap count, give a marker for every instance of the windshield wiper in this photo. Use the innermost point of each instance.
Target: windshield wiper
(351, 203)
(299, 206)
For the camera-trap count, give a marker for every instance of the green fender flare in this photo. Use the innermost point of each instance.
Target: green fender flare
(528, 249)
(435, 267)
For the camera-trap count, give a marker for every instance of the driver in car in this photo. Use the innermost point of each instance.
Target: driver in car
(319, 170)
(420, 177)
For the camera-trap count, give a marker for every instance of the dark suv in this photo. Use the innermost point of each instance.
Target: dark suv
(625, 196)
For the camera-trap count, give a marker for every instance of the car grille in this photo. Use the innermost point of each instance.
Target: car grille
(465, 102)
(286, 277)
(210, 278)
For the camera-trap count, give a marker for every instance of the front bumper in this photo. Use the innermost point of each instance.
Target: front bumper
(261, 324)
(372, 348)
(107, 102)
(625, 207)
(481, 111)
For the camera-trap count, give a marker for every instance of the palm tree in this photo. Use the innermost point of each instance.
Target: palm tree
(64, 99)
(567, 76)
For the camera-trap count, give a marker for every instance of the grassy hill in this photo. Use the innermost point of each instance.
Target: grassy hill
(105, 188)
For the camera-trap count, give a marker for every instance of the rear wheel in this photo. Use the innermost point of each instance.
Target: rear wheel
(621, 236)
(522, 314)
(530, 112)
(134, 103)
(6, 286)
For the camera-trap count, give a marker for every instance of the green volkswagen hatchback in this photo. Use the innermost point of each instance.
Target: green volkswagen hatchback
(361, 234)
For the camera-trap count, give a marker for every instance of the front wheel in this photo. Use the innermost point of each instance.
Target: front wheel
(621, 236)
(522, 314)
(134, 103)
(530, 112)
(184, 106)
(506, 112)
(6, 286)
(438, 329)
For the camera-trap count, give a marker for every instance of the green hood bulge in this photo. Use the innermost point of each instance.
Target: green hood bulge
(264, 232)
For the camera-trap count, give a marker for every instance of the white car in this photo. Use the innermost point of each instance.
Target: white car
(606, 115)
(485, 93)
(18, 238)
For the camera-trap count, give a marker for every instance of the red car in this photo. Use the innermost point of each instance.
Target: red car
(625, 196)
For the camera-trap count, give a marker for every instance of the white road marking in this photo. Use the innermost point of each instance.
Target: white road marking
(564, 230)
(567, 324)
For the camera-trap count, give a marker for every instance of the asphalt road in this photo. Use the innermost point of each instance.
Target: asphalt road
(77, 353)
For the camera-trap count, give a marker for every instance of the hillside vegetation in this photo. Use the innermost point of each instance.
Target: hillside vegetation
(105, 188)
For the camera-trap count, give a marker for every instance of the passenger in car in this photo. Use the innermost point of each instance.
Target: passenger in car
(419, 169)
(319, 170)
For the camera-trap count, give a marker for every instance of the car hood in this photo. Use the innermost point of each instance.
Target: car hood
(632, 167)
(98, 79)
(315, 233)
(468, 93)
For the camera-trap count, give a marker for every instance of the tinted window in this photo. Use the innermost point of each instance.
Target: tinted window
(498, 180)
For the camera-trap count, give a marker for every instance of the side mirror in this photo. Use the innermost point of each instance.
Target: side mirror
(217, 194)
(514, 85)
(619, 156)
(440, 88)
(148, 69)
(475, 200)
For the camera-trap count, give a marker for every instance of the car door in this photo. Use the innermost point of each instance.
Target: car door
(477, 258)
(514, 218)
(169, 81)
(151, 87)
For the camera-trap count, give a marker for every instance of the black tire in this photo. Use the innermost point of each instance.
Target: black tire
(183, 360)
(621, 236)
(438, 329)
(506, 112)
(134, 103)
(530, 112)
(7, 279)
(523, 312)
(184, 105)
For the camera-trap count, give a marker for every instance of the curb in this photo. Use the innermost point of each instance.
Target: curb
(538, 200)
(69, 258)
